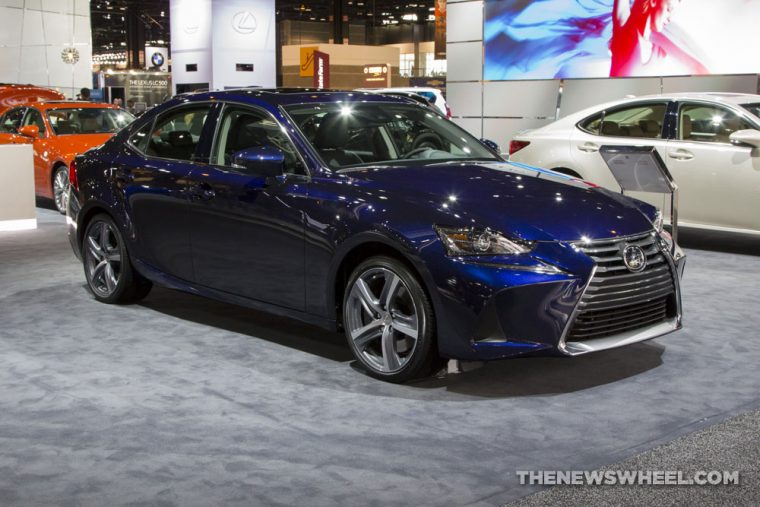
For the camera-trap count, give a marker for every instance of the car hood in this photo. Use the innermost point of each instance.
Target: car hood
(522, 201)
(75, 144)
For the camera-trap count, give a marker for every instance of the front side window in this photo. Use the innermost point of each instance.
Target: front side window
(382, 133)
(177, 132)
(88, 120)
(34, 117)
(244, 128)
(707, 123)
(754, 109)
(11, 120)
(640, 120)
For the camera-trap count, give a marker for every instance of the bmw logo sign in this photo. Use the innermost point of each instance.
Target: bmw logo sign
(634, 258)
(157, 59)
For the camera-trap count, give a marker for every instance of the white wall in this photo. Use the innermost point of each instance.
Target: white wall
(32, 35)
(216, 35)
(497, 110)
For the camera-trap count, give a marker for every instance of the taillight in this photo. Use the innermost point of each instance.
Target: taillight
(73, 175)
(515, 146)
(448, 111)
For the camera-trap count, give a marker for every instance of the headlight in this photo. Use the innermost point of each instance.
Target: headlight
(472, 241)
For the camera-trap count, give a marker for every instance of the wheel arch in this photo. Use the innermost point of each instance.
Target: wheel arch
(567, 171)
(361, 247)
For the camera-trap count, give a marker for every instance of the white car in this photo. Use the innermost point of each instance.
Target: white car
(710, 142)
(434, 95)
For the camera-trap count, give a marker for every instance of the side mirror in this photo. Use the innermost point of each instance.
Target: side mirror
(491, 145)
(32, 131)
(747, 137)
(267, 161)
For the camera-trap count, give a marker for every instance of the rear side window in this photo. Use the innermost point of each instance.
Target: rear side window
(140, 139)
(176, 133)
(640, 120)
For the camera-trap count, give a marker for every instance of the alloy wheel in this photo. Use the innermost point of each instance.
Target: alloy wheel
(382, 319)
(60, 189)
(103, 258)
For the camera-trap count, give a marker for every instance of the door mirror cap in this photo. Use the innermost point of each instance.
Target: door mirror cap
(491, 145)
(267, 161)
(747, 137)
(32, 131)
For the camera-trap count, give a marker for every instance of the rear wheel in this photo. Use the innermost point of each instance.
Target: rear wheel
(60, 188)
(389, 321)
(110, 275)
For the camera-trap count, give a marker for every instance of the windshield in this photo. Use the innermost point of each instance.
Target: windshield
(379, 133)
(88, 120)
(753, 108)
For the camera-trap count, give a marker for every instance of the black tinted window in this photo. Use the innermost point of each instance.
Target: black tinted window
(177, 132)
(243, 128)
(141, 138)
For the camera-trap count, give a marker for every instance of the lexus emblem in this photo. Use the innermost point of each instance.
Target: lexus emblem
(244, 22)
(634, 258)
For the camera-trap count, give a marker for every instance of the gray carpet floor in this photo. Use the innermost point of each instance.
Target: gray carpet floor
(186, 401)
(733, 445)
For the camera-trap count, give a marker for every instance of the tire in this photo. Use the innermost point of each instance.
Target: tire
(107, 268)
(60, 186)
(389, 321)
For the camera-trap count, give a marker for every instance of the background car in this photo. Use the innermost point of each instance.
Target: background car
(323, 206)
(434, 95)
(12, 95)
(58, 131)
(710, 142)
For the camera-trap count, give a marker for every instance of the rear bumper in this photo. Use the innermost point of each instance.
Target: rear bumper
(72, 215)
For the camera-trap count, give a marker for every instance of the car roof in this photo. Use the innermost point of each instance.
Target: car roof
(727, 97)
(69, 104)
(291, 96)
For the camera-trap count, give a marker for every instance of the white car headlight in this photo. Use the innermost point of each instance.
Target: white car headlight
(472, 241)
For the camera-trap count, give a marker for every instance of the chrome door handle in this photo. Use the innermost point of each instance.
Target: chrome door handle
(681, 155)
(589, 147)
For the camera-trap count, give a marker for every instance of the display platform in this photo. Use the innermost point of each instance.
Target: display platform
(186, 401)
(17, 201)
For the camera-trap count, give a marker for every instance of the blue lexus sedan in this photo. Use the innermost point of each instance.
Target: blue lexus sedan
(373, 215)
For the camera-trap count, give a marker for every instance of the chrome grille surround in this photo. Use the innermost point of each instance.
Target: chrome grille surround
(617, 306)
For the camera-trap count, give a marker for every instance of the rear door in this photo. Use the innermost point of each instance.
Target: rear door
(633, 124)
(151, 176)
(719, 183)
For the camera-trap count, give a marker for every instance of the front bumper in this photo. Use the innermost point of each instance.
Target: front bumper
(517, 313)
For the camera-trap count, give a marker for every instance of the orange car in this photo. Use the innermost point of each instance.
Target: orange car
(12, 95)
(59, 131)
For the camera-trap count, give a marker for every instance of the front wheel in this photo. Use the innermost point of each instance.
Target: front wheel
(110, 275)
(60, 188)
(389, 320)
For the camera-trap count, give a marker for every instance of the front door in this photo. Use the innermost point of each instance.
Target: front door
(247, 230)
(718, 182)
